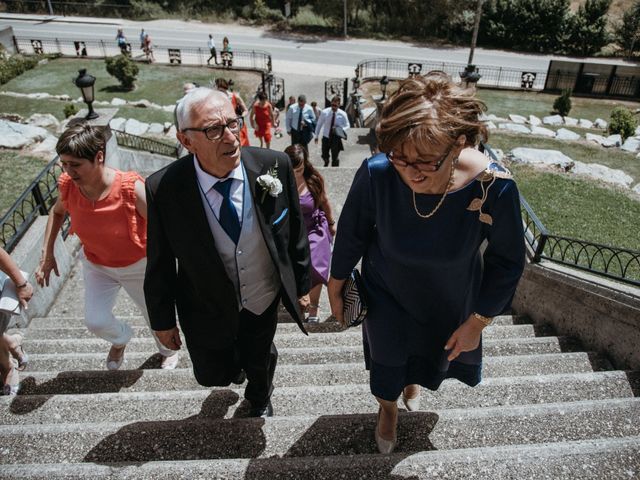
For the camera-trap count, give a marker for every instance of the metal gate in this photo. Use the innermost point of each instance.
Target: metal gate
(274, 88)
(336, 86)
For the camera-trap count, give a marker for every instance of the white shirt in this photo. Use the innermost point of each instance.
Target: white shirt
(207, 181)
(324, 122)
(211, 44)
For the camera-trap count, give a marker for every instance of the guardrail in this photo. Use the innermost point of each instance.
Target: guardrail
(145, 144)
(164, 54)
(37, 199)
(491, 76)
(619, 264)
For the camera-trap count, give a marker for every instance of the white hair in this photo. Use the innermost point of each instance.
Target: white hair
(194, 97)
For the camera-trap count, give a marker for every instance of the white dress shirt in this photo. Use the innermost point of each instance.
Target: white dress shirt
(207, 181)
(324, 122)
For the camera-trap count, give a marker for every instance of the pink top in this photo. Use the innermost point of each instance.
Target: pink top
(111, 230)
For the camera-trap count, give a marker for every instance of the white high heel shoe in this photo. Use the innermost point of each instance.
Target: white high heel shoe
(384, 446)
(412, 404)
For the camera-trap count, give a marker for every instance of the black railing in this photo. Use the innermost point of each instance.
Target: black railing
(491, 76)
(619, 264)
(145, 144)
(164, 54)
(36, 200)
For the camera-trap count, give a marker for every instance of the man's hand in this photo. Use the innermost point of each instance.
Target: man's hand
(315, 140)
(304, 302)
(169, 338)
(47, 263)
(465, 339)
(24, 295)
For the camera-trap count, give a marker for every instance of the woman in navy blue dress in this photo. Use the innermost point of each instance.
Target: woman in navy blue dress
(438, 228)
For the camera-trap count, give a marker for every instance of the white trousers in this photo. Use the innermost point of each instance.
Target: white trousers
(101, 287)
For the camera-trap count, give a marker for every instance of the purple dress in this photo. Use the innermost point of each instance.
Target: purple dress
(319, 239)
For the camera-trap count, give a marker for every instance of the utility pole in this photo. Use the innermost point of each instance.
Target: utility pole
(50, 7)
(476, 27)
(345, 18)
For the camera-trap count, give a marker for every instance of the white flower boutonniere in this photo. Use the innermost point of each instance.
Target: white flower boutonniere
(270, 183)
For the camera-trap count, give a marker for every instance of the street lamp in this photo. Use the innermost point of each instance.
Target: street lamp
(85, 83)
(384, 81)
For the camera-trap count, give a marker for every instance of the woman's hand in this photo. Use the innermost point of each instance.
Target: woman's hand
(465, 339)
(334, 290)
(47, 263)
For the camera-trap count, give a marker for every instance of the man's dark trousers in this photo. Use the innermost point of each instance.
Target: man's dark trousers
(333, 145)
(301, 137)
(254, 353)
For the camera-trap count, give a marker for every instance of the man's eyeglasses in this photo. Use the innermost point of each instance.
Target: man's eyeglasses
(215, 132)
(420, 165)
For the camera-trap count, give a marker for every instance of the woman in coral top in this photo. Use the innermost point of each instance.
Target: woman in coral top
(108, 212)
(239, 107)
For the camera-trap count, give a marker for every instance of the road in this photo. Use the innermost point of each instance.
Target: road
(291, 53)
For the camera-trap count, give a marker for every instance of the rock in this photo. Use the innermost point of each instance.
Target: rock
(498, 153)
(39, 95)
(18, 135)
(572, 122)
(46, 148)
(169, 108)
(155, 105)
(44, 61)
(636, 189)
(535, 121)
(564, 134)
(64, 98)
(584, 123)
(142, 103)
(592, 137)
(156, 128)
(539, 156)
(167, 126)
(600, 172)
(491, 125)
(545, 132)
(171, 132)
(514, 127)
(517, 119)
(134, 127)
(553, 120)
(600, 123)
(43, 120)
(12, 117)
(617, 139)
(118, 102)
(495, 118)
(102, 103)
(631, 145)
(637, 131)
(117, 123)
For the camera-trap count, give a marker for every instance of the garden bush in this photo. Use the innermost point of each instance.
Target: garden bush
(11, 67)
(623, 122)
(562, 104)
(124, 69)
(70, 110)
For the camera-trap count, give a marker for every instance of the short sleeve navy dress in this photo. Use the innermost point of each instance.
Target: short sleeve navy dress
(424, 277)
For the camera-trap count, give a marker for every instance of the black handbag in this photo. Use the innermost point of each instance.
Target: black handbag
(354, 300)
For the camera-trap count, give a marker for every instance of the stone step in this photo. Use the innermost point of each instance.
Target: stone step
(63, 322)
(142, 354)
(593, 459)
(308, 400)
(90, 344)
(53, 324)
(102, 381)
(207, 437)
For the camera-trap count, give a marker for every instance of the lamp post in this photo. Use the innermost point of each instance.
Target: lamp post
(384, 81)
(470, 74)
(85, 83)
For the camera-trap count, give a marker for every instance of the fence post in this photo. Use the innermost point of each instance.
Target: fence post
(104, 48)
(499, 76)
(15, 43)
(542, 241)
(58, 46)
(37, 195)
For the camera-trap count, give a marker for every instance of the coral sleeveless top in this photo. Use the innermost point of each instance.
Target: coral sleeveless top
(112, 232)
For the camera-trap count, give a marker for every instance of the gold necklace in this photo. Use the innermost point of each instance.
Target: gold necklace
(444, 195)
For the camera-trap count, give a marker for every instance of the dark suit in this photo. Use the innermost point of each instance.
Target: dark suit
(218, 336)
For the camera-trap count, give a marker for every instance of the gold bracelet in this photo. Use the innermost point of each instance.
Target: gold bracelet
(486, 321)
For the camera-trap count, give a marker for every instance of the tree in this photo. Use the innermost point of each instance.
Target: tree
(588, 28)
(623, 122)
(627, 33)
(562, 104)
(124, 69)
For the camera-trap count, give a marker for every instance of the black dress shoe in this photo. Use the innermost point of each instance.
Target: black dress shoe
(240, 378)
(263, 412)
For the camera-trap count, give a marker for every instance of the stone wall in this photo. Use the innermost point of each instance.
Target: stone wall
(605, 316)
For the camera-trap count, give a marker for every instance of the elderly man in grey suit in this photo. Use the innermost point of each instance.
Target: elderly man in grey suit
(226, 243)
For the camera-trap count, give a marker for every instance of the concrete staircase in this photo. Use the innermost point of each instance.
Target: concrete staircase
(545, 409)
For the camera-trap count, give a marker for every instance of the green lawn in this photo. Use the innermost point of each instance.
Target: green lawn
(582, 151)
(504, 102)
(17, 171)
(161, 84)
(579, 208)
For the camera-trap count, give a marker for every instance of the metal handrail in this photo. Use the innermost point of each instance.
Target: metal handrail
(145, 144)
(617, 263)
(37, 199)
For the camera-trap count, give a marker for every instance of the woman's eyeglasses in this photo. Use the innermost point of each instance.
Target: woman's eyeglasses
(419, 165)
(215, 132)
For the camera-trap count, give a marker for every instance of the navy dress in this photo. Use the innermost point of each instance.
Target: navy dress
(424, 277)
